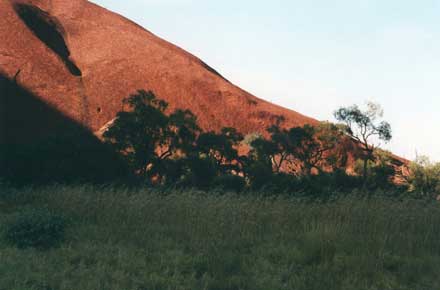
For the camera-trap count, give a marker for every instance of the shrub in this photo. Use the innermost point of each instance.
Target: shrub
(425, 177)
(230, 183)
(260, 174)
(379, 172)
(34, 228)
(283, 182)
(203, 171)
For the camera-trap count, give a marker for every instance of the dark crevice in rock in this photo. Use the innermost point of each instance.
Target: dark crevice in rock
(49, 31)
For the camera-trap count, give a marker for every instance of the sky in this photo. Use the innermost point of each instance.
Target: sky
(315, 56)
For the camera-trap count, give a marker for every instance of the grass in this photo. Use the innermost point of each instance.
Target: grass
(122, 239)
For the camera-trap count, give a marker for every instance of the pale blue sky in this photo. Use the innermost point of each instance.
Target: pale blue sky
(314, 56)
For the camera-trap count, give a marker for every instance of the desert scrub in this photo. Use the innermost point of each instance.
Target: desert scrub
(34, 228)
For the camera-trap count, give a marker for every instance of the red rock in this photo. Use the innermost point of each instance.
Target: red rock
(81, 60)
(107, 57)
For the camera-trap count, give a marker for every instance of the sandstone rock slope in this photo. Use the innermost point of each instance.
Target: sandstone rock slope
(82, 60)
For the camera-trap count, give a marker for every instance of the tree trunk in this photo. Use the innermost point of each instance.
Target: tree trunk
(306, 169)
(365, 174)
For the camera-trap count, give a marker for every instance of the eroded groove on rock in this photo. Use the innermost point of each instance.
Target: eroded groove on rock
(49, 31)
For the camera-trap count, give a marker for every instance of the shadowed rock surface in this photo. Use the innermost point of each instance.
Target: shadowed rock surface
(48, 31)
(46, 146)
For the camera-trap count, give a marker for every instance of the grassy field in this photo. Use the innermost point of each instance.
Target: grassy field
(120, 239)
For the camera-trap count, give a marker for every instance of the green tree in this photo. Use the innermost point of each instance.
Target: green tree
(179, 144)
(365, 127)
(182, 133)
(148, 138)
(298, 150)
(282, 146)
(221, 147)
(137, 133)
(313, 146)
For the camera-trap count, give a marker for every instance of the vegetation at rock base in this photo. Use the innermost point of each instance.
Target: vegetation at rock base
(425, 177)
(171, 148)
(148, 145)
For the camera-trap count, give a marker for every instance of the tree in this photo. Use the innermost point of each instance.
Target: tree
(171, 148)
(179, 146)
(300, 149)
(182, 132)
(147, 137)
(313, 145)
(277, 151)
(137, 133)
(365, 127)
(221, 147)
(264, 152)
(281, 146)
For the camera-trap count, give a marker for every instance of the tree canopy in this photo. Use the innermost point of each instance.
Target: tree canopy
(170, 147)
(366, 128)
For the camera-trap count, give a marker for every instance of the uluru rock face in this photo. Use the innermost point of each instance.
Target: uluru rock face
(82, 60)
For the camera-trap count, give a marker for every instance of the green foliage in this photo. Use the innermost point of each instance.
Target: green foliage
(36, 228)
(221, 147)
(297, 150)
(425, 176)
(203, 171)
(314, 146)
(363, 127)
(139, 132)
(379, 172)
(174, 171)
(173, 150)
(259, 174)
(264, 152)
(183, 131)
(164, 239)
(146, 136)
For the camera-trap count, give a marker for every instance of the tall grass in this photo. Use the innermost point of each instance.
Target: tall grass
(126, 239)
